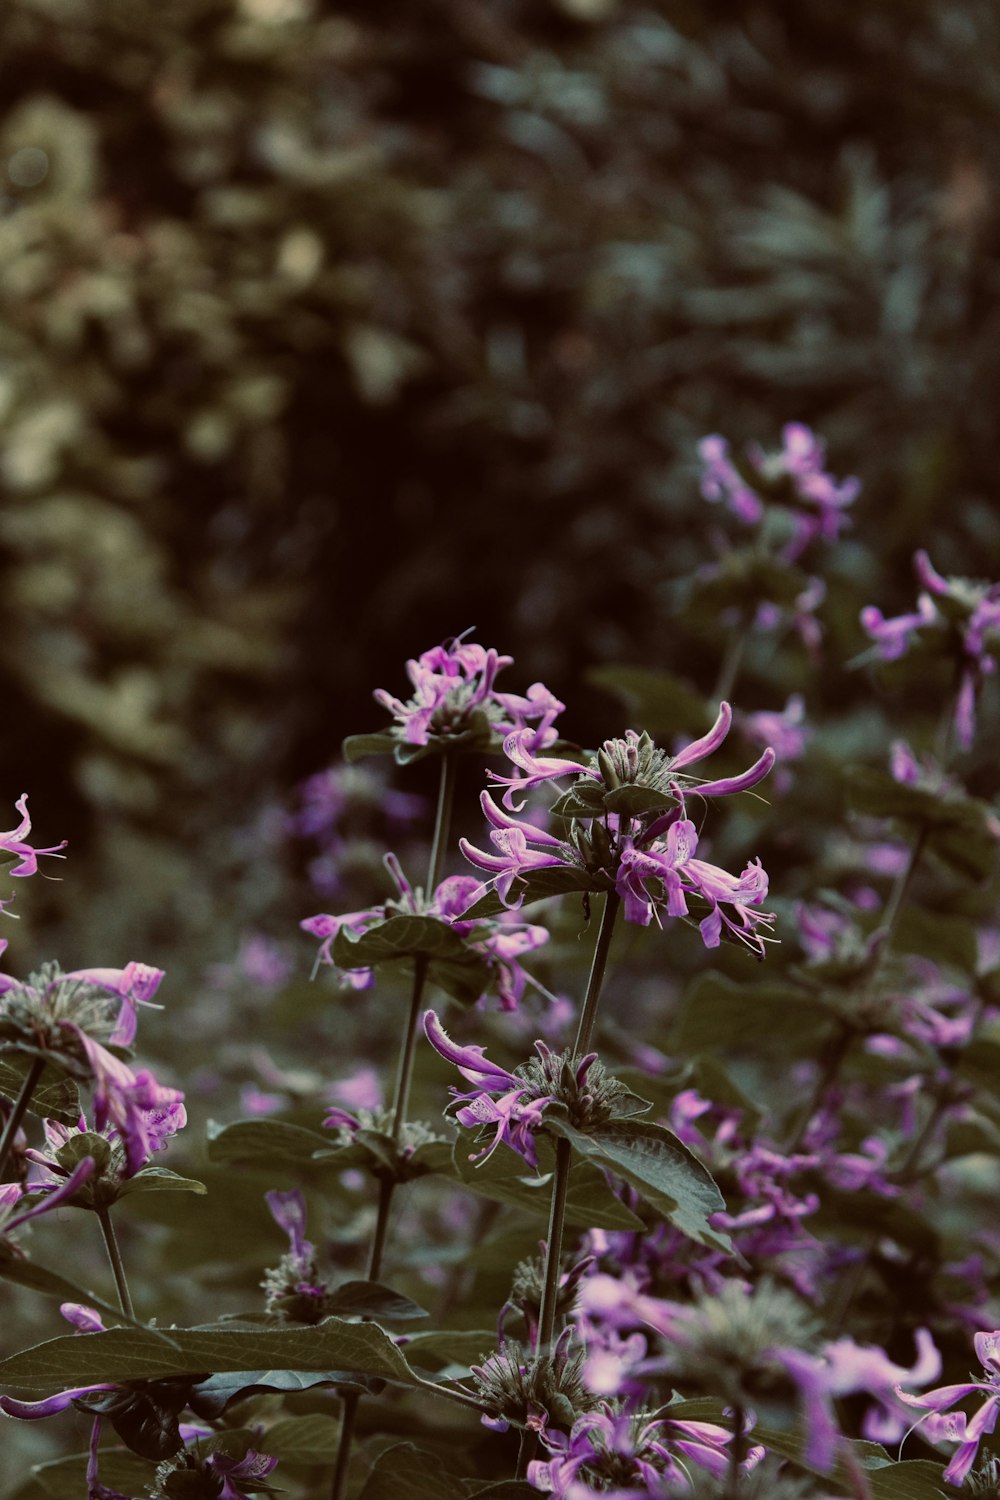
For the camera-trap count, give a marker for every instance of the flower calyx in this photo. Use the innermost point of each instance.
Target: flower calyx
(535, 1391)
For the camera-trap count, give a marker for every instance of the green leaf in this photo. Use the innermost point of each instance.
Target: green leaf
(66, 1478)
(38, 1278)
(659, 702)
(972, 1134)
(55, 1096)
(540, 885)
(216, 1393)
(504, 1176)
(944, 938)
(160, 1180)
(265, 1143)
(452, 1347)
(651, 1159)
(454, 965)
(371, 1299)
(137, 1354)
(765, 1016)
(406, 1472)
(313, 1439)
(504, 1489)
(961, 830)
(356, 746)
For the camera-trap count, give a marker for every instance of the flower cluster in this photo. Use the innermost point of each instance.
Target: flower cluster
(629, 832)
(794, 477)
(455, 699)
(959, 617)
(498, 944)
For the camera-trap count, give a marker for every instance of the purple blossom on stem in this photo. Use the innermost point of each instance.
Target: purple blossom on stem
(453, 684)
(13, 843)
(500, 1099)
(963, 616)
(943, 1425)
(818, 502)
(501, 943)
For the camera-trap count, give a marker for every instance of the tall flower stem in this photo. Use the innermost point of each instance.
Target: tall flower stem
(736, 1453)
(553, 1246)
(401, 1097)
(17, 1114)
(588, 1014)
(115, 1258)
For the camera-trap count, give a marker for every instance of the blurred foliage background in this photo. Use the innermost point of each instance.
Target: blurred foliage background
(330, 330)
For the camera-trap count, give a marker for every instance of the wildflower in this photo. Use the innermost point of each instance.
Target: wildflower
(13, 842)
(455, 701)
(793, 477)
(958, 615)
(11, 1193)
(537, 1391)
(293, 1287)
(160, 1113)
(492, 949)
(501, 1099)
(943, 1425)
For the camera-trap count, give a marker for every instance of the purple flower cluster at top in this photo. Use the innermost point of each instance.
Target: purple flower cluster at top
(454, 682)
(651, 861)
(964, 619)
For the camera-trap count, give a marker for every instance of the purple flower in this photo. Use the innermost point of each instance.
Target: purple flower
(136, 984)
(786, 732)
(794, 477)
(960, 616)
(500, 943)
(10, 1193)
(13, 842)
(500, 1099)
(940, 1425)
(454, 697)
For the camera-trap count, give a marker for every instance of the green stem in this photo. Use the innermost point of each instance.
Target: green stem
(386, 1188)
(731, 662)
(401, 1099)
(115, 1257)
(349, 1410)
(735, 1453)
(588, 1015)
(898, 893)
(442, 820)
(17, 1114)
(553, 1246)
(407, 1051)
(836, 1051)
(525, 1452)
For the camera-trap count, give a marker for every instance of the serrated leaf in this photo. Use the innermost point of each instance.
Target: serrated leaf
(406, 1472)
(160, 1180)
(313, 1439)
(371, 1299)
(505, 1177)
(264, 1143)
(55, 1096)
(651, 1159)
(136, 1354)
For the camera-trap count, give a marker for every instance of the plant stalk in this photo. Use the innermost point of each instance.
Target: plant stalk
(115, 1258)
(18, 1112)
(588, 1015)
